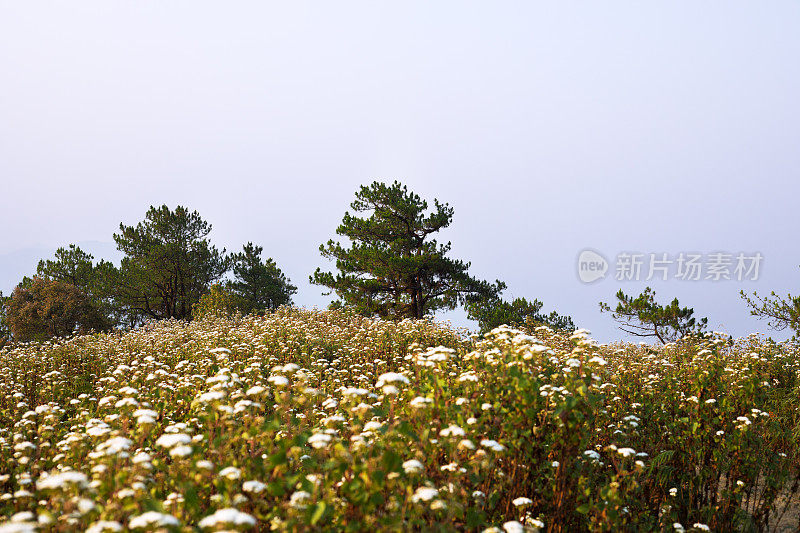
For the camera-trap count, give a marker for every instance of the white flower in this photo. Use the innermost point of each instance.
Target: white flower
(126, 402)
(591, 454)
(701, 527)
(97, 428)
(170, 440)
(521, 501)
(114, 446)
(62, 479)
(673, 491)
(354, 392)
(626, 452)
(104, 525)
(299, 498)
(513, 527)
(391, 377)
(319, 440)
(452, 431)
(227, 516)
(438, 504)
(373, 425)
(253, 486)
(278, 381)
(390, 390)
(533, 522)
(468, 376)
(466, 444)
(23, 516)
(412, 466)
(219, 350)
(231, 473)
(153, 518)
(211, 396)
(181, 451)
(420, 401)
(492, 445)
(424, 494)
(18, 527)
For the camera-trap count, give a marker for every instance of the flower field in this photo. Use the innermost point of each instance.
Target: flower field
(322, 420)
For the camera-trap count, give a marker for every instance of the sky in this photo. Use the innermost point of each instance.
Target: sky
(549, 127)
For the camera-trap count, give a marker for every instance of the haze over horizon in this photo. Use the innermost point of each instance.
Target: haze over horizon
(550, 128)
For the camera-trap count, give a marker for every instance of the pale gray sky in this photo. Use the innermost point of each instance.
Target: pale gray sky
(549, 127)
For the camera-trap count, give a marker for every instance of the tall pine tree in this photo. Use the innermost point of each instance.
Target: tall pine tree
(258, 285)
(169, 264)
(393, 267)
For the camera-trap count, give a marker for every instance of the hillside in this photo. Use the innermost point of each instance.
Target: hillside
(321, 420)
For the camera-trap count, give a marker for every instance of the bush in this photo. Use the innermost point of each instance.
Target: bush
(41, 309)
(218, 301)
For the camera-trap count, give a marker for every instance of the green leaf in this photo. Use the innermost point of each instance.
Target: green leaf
(319, 512)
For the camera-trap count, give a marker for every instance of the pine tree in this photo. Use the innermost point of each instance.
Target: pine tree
(168, 265)
(258, 286)
(642, 316)
(393, 267)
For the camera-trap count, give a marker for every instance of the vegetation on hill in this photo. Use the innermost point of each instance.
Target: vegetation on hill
(393, 267)
(169, 266)
(300, 421)
(642, 316)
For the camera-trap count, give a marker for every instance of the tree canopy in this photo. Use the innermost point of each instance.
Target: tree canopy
(642, 316)
(5, 331)
(74, 266)
(169, 264)
(780, 312)
(520, 313)
(258, 285)
(393, 267)
(49, 308)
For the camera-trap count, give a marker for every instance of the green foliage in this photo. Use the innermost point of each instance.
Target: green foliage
(47, 308)
(780, 312)
(642, 316)
(74, 266)
(168, 265)
(519, 313)
(218, 301)
(71, 265)
(393, 268)
(5, 331)
(258, 286)
(329, 421)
